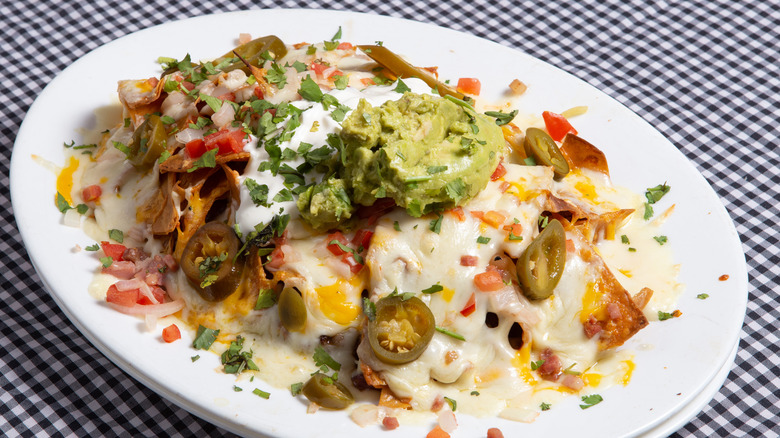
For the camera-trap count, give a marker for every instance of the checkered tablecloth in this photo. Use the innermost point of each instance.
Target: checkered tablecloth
(706, 73)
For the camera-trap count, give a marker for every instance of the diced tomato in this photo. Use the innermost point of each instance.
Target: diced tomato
(493, 218)
(227, 96)
(113, 250)
(367, 81)
(570, 246)
(259, 93)
(468, 260)
(333, 247)
(489, 281)
(470, 307)
(126, 298)
(495, 432)
(159, 295)
(477, 214)
(362, 239)
(196, 148)
(514, 229)
(320, 69)
(458, 212)
(557, 125)
(226, 140)
(437, 432)
(469, 86)
(344, 46)
(349, 259)
(499, 172)
(91, 193)
(171, 333)
(276, 258)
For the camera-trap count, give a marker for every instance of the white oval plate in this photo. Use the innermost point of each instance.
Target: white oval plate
(676, 359)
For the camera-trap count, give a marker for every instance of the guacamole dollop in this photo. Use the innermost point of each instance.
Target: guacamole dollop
(425, 152)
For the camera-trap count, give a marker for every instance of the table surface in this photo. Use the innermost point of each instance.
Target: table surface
(705, 73)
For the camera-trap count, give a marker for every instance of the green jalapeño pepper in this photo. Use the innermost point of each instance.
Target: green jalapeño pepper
(541, 265)
(539, 145)
(208, 261)
(150, 140)
(292, 310)
(326, 392)
(401, 330)
(253, 53)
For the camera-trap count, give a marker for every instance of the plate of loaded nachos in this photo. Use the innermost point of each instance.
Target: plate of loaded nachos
(310, 220)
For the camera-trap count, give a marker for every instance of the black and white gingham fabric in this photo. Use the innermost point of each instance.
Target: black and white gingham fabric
(706, 73)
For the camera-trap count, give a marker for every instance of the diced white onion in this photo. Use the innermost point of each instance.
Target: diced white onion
(187, 135)
(447, 420)
(366, 415)
(71, 218)
(224, 116)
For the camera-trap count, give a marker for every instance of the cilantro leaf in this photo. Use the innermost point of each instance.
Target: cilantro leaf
(94, 247)
(660, 239)
(654, 194)
(456, 189)
(501, 117)
(116, 235)
(321, 357)
(433, 289)
(663, 316)
(435, 224)
(340, 82)
(544, 406)
(296, 388)
(261, 393)
(401, 87)
(450, 333)
(265, 299)
(310, 90)
(483, 240)
(369, 308)
(257, 192)
(702, 296)
(591, 400)
(337, 36)
(204, 338)
(106, 261)
(535, 365)
(208, 159)
(62, 204)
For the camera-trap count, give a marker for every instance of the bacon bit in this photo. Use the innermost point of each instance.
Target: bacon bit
(572, 382)
(677, 313)
(723, 277)
(134, 254)
(451, 356)
(91, 193)
(120, 269)
(188, 85)
(570, 246)
(171, 333)
(591, 327)
(489, 281)
(613, 310)
(504, 186)
(495, 432)
(551, 369)
(437, 432)
(499, 172)
(390, 423)
(517, 88)
(468, 260)
(459, 214)
(493, 218)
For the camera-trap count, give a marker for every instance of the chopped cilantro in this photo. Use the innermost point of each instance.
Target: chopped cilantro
(163, 156)
(106, 261)
(167, 120)
(94, 247)
(204, 338)
(265, 299)
(322, 358)
(283, 195)
(296, 388)
(654, 194)
(501, 117)
(591, 400)
(337, 36)
(116, 235)
(208, 159)
(397, 226)
(529, 161)
(340, 82)
(299, 66)
(512, 236)
(663, 316)
(436, 169)
(401, 87)
(631, 249)
(214, 103)
(236, 361)
(277, 75)
(435, 225)
(475, 393)
(257, 192)
(62, 204)
(369, 308)
(660, 239)
(535, 365)
(261, 393)
(702, 296)
(122, 148)
(483, 240)
(456, 189)
(433, 289)
(237, 389)
(624, 239)
(648, 211)
(450, 333)
(310, 90)
(416, 179)
(194, 358)
(544, 406)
